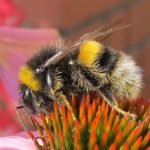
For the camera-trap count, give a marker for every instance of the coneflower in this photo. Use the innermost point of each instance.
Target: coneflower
(97, 126)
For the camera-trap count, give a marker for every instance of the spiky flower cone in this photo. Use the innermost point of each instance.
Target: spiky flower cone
(96, 127)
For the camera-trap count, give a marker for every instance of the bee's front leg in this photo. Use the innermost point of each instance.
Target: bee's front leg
(63, 99)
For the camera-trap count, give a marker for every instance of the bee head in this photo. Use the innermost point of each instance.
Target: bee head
(34, 89)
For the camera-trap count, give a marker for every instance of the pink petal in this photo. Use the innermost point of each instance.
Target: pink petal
(10, 15)
(24, 40)
(9, 71)
(16, 45)
(9, 123)
(16, 142)
(26, 35)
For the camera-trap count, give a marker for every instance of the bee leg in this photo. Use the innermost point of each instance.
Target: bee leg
(110, 99)
(63, 98)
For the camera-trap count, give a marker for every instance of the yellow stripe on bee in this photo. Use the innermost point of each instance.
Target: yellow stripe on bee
(88, 52)
(27, 77)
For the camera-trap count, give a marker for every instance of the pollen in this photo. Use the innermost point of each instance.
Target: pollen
(27, 77)
(88, 52)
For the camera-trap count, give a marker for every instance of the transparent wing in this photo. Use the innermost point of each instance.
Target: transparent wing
(99, 35)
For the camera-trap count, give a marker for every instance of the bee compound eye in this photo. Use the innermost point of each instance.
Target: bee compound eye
(28, 97)
(27, 94)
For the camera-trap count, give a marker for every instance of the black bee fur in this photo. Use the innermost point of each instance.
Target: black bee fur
(87, 66)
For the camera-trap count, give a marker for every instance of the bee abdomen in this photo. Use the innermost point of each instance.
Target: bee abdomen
(108, 59)
(126, 79)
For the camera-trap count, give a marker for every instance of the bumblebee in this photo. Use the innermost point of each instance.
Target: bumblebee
(61, 70)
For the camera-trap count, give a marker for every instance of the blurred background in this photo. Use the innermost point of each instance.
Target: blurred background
(74, 18)
(71, 19)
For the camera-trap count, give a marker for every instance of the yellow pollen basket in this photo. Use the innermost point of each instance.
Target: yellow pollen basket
(88, 52)
(26, 76)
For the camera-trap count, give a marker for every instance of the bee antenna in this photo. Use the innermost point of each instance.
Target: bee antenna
(18, 108)
(30, 124)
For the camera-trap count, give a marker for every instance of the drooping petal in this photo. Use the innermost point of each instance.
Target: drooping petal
(16, 45)
(16, 142)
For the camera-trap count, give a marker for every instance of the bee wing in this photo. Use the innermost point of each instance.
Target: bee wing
(99, 35)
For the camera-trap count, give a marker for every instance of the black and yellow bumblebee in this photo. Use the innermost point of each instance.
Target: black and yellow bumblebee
(61, 70)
